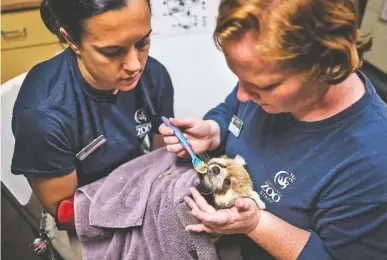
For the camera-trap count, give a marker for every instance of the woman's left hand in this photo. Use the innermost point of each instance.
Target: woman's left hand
(243, 217)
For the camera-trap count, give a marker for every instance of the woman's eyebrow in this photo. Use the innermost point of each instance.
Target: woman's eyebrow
(147, 35)
(268, 86)
(109, 47)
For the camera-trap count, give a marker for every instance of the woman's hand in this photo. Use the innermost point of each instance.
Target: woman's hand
(241, 218)
(203, 135)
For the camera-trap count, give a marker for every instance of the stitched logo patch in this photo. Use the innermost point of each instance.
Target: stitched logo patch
(144, 126)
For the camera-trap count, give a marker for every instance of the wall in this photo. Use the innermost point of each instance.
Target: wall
(378, 28)
(199, 72)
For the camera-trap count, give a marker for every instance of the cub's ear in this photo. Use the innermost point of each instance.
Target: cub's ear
(239, 159)
(223, 156)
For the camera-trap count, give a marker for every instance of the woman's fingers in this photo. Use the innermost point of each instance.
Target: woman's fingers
(165, 130)
(184, 122)
(191, 203)
(175, 148)
(182, 154)
(245, 204)
(198, 213)
(198, 228)
(201, 202)
(171, 140)
(198, 146)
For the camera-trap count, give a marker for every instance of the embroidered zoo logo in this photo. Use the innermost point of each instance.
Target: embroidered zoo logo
(144, 126)
(271, 191)
(140, 116)
(283, 179)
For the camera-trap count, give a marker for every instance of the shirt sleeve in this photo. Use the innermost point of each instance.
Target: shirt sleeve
(349, 232)
(223, 113)
(165, 104)
(42, 148)
(351, 215)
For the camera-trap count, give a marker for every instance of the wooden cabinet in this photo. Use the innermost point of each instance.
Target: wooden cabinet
(12, 5)
(25, 41)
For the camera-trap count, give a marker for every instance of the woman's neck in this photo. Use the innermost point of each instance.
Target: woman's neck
(86, 75)
(336, 99)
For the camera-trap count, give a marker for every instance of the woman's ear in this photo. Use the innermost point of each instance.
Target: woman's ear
(69, 41)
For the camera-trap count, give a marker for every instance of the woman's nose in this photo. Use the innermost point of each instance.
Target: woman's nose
(242, 94)
(131, 62)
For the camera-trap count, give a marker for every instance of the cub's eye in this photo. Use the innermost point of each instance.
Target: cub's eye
(226, 182)
(215, 170)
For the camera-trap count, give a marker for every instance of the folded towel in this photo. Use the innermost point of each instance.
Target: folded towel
(138, 212)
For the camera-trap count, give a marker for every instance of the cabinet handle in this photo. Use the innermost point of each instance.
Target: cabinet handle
(14, 33)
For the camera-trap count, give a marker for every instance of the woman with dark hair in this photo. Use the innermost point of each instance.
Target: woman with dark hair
(86, 111)
(310, 127)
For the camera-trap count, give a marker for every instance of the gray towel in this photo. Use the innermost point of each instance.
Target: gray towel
(138, 212)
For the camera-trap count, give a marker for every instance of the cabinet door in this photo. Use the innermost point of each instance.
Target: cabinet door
(17, 61)
(24, 28)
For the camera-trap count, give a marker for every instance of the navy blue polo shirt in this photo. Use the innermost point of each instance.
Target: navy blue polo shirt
(328, 176)
(57, 114)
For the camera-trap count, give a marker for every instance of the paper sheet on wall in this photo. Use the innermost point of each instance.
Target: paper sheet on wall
(179, 17)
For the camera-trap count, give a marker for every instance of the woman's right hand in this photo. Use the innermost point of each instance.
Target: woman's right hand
(203, 135)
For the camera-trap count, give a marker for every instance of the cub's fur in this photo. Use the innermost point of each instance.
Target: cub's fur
(226, 180)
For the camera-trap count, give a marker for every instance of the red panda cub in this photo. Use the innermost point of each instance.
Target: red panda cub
(226, 180)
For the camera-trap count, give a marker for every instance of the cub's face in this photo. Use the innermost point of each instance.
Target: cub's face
(227, 179)
(225, 173)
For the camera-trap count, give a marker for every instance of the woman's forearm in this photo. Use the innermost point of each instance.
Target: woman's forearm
(281, 239)
(51, 191)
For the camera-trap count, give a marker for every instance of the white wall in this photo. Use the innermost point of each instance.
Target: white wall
(378, 28)
(199, 72)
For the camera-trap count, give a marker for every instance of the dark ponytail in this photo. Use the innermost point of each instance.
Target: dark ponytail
(49, 18)
(70, 14)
